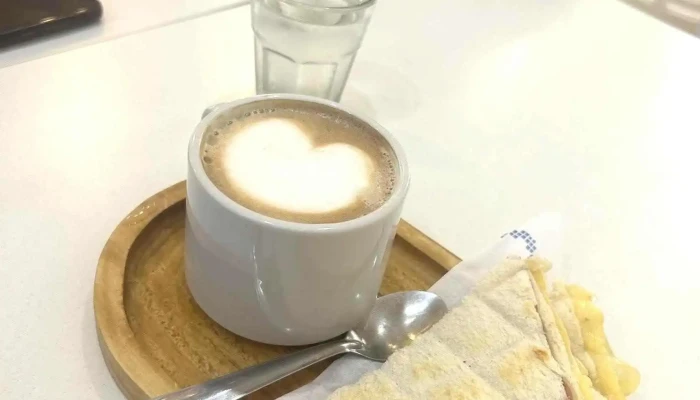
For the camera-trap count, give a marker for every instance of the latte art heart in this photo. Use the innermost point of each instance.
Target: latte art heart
(299, 164)
(276, 163)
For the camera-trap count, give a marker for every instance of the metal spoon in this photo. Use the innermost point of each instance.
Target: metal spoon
(394, 322)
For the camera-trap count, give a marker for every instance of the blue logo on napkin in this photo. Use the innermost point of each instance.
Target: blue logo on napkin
(529, 240)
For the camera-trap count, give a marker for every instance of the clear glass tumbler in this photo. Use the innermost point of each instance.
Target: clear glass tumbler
(307, 46)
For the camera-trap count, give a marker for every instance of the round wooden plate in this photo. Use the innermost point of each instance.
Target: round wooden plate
(154, 337)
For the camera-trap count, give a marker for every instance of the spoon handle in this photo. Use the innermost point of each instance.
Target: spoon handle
(246, 381)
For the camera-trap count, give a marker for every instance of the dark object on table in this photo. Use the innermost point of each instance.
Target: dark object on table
(22, 20)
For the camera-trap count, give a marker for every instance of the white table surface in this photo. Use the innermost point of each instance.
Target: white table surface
(119, 18)
(506, 110)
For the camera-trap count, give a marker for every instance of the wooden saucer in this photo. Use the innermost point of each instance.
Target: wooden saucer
(154, 337)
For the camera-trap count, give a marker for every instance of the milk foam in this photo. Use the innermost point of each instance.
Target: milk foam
(299, 162)
(277, 163)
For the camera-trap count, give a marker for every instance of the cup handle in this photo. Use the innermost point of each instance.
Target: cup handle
(209, 109)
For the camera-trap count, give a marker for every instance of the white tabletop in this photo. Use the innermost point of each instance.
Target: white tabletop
(587, 108)
(119, 18)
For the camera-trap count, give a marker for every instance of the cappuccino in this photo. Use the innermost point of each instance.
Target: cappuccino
(299, 161)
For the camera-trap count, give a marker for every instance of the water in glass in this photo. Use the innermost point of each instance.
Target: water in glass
(307, 46)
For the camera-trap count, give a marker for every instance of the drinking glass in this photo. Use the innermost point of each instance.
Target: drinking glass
(307, 46)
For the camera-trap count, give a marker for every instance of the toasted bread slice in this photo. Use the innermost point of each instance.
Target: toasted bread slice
(373, 385)
(503, 342)
(474, 331)
(419, 366)
(463, 385)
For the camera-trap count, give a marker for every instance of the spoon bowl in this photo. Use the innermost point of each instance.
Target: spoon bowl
(395, 321)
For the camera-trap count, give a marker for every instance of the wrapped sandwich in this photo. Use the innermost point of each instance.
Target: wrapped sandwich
(509, 339)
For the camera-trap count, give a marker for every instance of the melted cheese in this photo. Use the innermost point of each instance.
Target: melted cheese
(614, 378)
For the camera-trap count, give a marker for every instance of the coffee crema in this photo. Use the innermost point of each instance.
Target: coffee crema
(299, 161)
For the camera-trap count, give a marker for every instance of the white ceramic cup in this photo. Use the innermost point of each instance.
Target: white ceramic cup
(283, 282)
